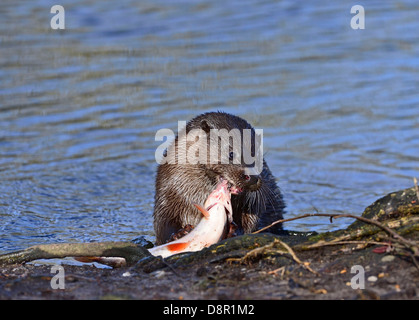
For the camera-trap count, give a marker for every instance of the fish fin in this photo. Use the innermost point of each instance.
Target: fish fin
(203, 210)
(177, 246)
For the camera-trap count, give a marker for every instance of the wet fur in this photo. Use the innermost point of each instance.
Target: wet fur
(178, 186)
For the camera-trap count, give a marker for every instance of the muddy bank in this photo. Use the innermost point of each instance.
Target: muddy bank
(258, 266)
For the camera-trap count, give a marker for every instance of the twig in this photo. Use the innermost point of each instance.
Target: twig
(331, 243)
(169, 266)
(411, 245)
(253, 253)
(275, 272)
(292, 219)
(415, 181)
(296, 259)
(380, 225)
(258, 251)
(334, 216)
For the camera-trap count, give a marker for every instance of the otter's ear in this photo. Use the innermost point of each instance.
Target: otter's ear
(206, 126)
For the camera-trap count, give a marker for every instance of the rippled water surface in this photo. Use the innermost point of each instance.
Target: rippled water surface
(79, 108)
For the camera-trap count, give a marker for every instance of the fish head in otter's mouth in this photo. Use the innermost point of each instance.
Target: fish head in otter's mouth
(222, 194)
(240, 182)
(239, 178)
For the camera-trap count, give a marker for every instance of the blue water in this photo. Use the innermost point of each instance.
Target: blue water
(79, 108)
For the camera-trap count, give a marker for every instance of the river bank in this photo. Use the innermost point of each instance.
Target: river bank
(364, 261)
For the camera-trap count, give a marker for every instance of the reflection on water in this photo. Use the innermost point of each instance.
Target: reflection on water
(79, 108)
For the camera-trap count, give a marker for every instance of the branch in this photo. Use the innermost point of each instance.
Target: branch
(411, 245)
(334, 216)
(128, 250)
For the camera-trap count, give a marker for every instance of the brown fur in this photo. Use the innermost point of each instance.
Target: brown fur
(179, 186)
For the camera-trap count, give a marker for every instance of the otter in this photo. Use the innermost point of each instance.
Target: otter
(256, 199)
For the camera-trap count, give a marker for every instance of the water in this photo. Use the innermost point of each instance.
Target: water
(79, 108)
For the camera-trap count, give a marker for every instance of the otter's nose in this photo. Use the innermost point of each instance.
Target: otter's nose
(252, 180)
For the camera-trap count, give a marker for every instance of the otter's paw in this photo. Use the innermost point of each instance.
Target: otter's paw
(181, 233)
(232, 231)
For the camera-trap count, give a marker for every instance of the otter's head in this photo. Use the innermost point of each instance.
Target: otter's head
(227, 148)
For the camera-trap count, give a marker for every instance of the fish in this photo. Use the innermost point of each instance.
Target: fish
(217, 216)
